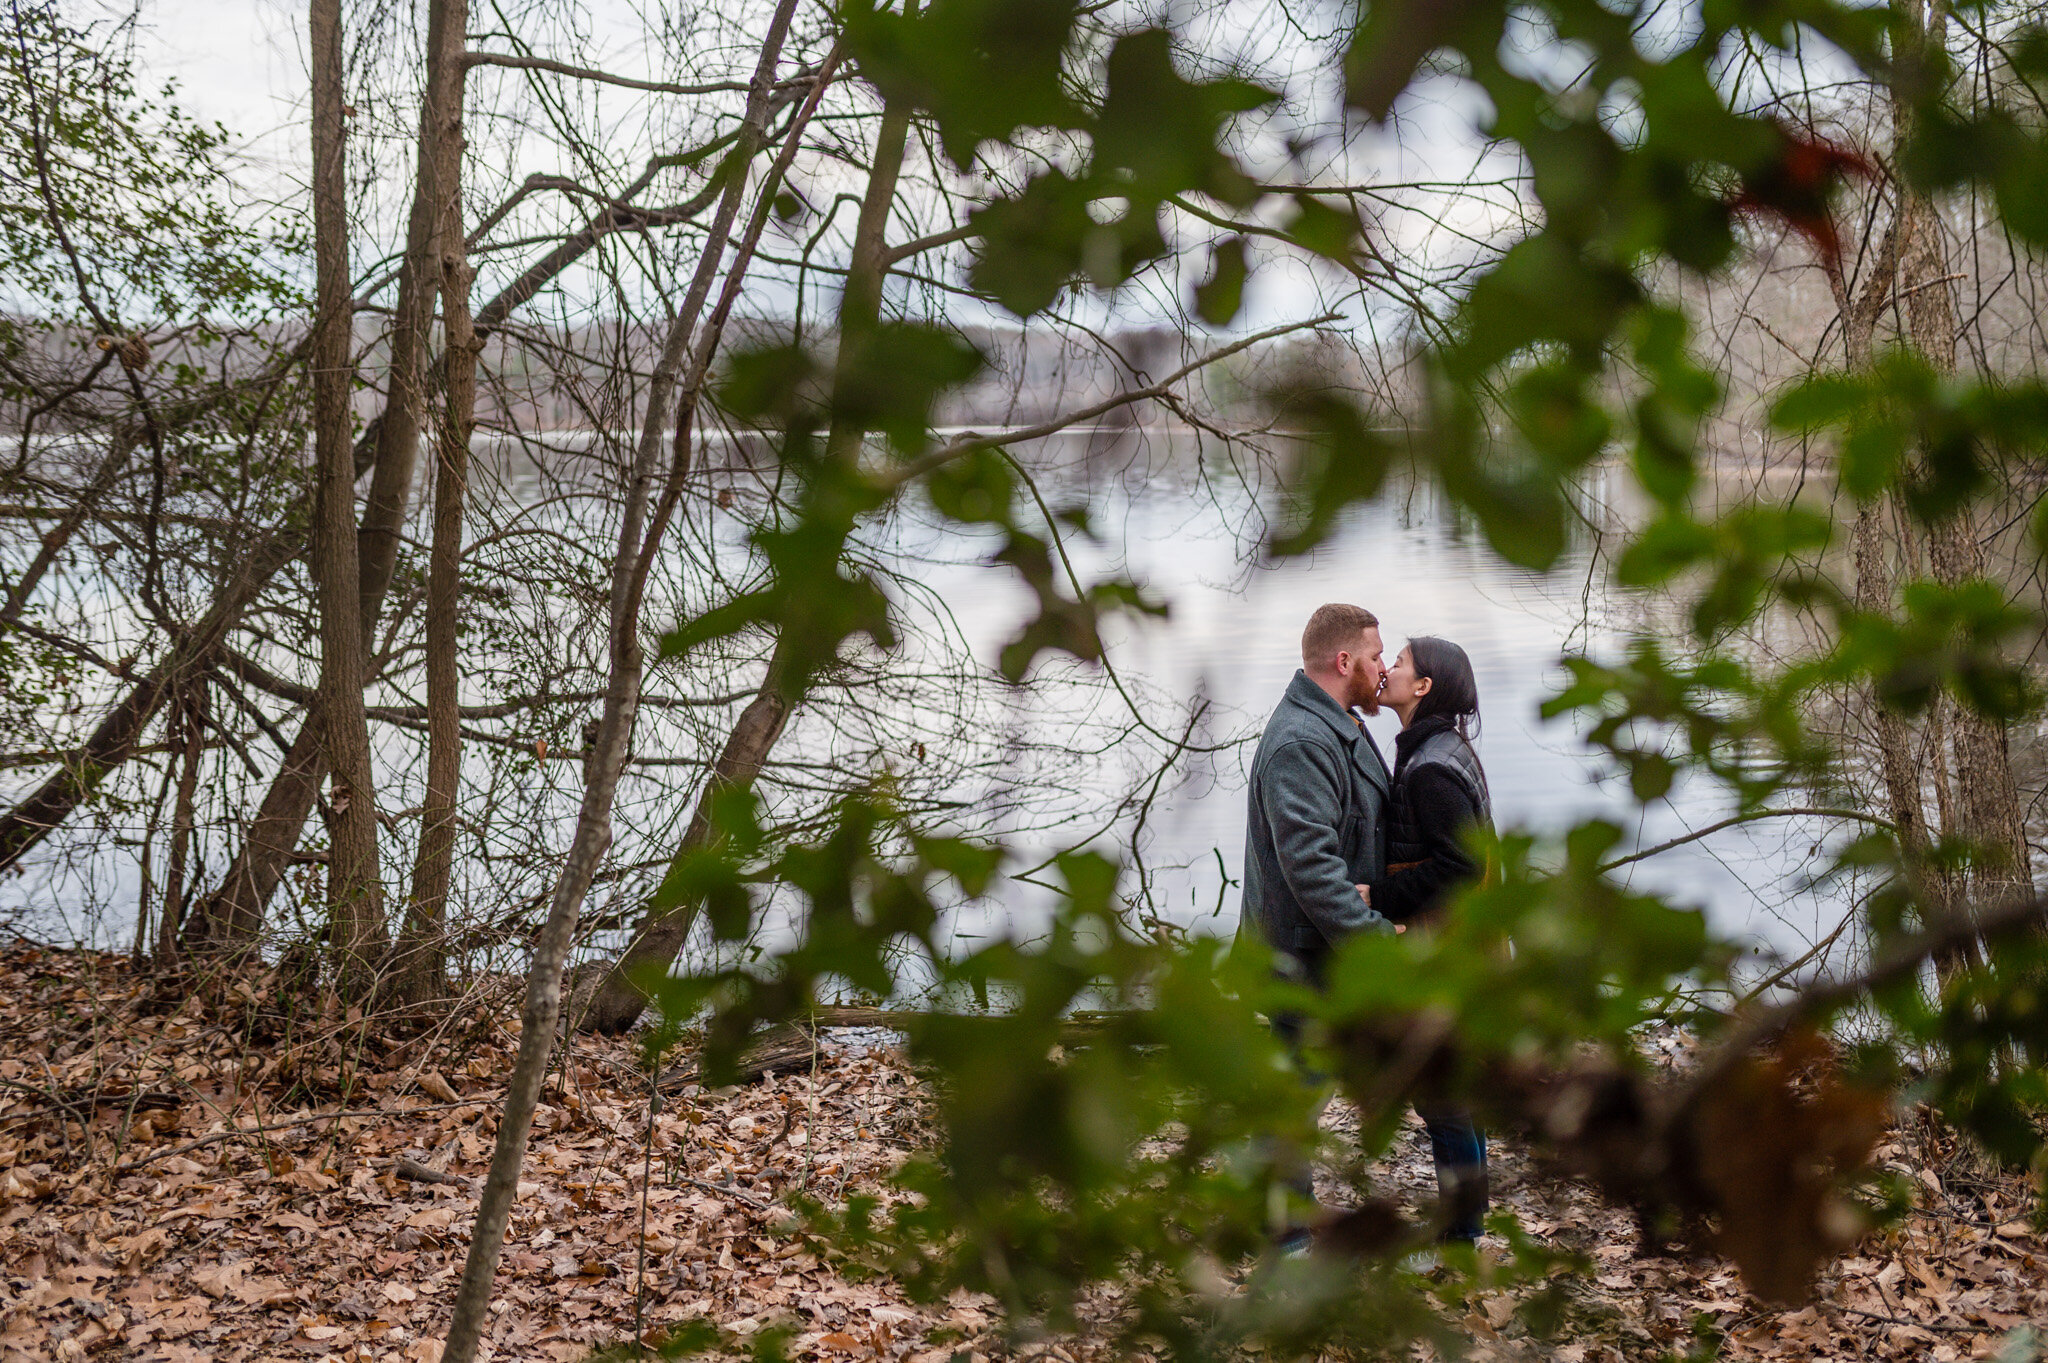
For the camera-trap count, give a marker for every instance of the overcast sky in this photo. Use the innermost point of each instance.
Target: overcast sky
(241, 62)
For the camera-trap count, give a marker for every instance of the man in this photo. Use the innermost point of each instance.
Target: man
(1316, 826)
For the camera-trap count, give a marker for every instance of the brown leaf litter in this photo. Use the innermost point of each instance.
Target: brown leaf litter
(186, 1180)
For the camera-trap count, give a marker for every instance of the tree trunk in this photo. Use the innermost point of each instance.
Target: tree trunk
(637, 540)
(1988, 812)
(622, 996)
(111, 743)
(355, 891)
(421, 961)
(193, 715)
(231, 918)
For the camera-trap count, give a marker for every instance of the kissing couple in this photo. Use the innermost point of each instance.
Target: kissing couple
(1335, 844)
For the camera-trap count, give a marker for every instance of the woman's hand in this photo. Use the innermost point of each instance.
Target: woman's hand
(1365, 893)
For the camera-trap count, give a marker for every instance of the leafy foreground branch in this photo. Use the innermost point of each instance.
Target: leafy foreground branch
(310, 1238)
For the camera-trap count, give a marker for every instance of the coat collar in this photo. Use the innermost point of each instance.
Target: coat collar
(1418, 733)
(1365, 754)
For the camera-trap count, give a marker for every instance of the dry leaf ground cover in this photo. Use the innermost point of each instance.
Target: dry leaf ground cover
(233, 1178)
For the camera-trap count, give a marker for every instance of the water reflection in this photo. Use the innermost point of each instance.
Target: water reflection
(1184, 520)
(1233, 637)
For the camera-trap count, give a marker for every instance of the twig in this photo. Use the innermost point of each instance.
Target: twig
(1916, 1324)
(1786, 971)
(724, 1191)
(602, 77)
(420, 1173)
(896, 477)
(1750, 817)
(232, 1132)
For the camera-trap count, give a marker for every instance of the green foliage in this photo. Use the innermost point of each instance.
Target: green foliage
(1146, 1151)
(989, 69)
(1219, 299)
(114, 193)
(1592, 960)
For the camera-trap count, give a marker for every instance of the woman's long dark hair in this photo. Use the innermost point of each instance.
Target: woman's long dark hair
(1454, 691)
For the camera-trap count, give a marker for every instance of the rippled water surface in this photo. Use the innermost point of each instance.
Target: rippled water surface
(1190, 534)
(1233, 637)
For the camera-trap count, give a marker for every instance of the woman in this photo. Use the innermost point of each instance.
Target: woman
(1439, 795)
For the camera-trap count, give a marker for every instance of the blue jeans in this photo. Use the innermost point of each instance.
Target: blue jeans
(1456, 1144)
(1459, 1148)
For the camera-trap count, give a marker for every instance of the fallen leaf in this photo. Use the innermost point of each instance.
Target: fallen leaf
(311, 1179)
(218, 1281)
(265, 1292)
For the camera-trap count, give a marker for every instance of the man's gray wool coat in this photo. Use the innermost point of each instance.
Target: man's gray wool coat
(1316, 827)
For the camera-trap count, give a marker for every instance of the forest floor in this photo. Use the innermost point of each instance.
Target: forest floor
(187, 1181)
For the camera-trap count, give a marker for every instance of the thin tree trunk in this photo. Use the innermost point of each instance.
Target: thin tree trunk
(355, 890)
(615, 727)
(621, 996)
(438, 169)
(59, 535)
(114, 740)
(420, 964)
(1988, 812)
(193, 715)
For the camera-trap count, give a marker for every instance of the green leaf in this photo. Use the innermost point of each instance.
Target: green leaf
(1032, 243)
(1663, 549)
(1340, 461)
(983, 68)
(1817, 403)
(1161, 131)
(1329, 232)
(892, 374)
(1220, 298)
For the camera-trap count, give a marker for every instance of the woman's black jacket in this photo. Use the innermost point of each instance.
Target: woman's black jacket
(1439, 791)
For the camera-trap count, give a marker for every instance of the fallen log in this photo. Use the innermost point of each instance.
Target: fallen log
(780, 1049)
(1077, 1026)
(791, 1046)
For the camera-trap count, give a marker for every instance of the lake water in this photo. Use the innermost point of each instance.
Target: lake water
(1189, 529)
(1233, 638)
